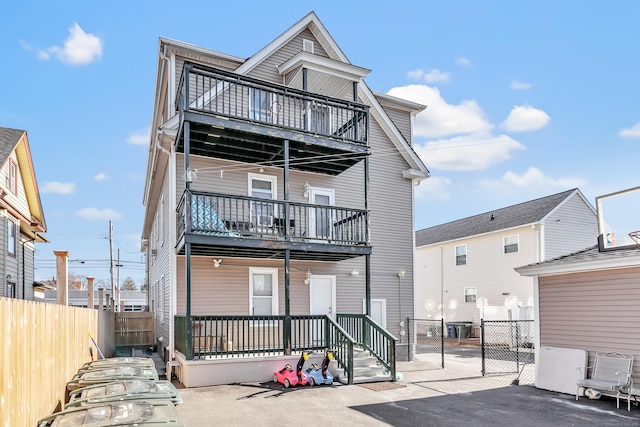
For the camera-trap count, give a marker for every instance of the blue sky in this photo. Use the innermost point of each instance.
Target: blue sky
(524, 100)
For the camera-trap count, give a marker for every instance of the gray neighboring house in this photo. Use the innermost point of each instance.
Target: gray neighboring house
(263, 176)
(21, 216)
(465, 268)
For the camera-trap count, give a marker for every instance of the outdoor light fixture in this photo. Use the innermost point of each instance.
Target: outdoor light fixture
(354, 273)
(216, 262)
(307, 277)
(306, 189)
(401, 273)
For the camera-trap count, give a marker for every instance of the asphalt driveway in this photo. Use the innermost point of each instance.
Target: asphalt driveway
(426, 396)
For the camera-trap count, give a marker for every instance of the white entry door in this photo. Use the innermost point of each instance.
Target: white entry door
(378, 311)
(322, 294)
(321, 219)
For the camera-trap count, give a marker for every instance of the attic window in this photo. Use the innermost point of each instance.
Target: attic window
(13, 173)
(307, 45)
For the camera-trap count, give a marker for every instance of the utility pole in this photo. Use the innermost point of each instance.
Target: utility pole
(111, 259)
(118, 279)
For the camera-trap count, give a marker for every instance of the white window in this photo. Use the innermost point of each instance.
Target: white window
(11, 237)
(470, 294)
(322, 218)
(319, 118)
(461, 255)
(511, 244)
(262, 187)
(261, 103)
(263, 291)
(13, 177)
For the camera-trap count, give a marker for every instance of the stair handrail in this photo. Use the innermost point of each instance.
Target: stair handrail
(336, 338)
(381, 343)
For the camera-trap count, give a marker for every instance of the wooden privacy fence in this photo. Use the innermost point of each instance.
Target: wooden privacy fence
(134, 329)
(44, 345)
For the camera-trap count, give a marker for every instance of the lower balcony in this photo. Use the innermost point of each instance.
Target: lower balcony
(228, 225)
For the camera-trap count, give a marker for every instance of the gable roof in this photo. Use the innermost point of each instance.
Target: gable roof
(588, 259)
(525, 213)
(16, 140)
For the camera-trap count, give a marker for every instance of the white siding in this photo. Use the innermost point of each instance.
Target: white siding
(488, 269)
(594, 311)
(572, 227)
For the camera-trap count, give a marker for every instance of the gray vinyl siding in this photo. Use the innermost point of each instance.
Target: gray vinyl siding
(402, 120)
(17, 201)
(594, 311)
(159, 266)
(572, 227)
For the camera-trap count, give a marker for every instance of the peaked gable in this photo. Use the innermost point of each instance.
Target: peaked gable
(15, 140)
(512, 216)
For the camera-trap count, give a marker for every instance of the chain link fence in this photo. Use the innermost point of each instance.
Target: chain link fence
(426, 341)
(507, 349)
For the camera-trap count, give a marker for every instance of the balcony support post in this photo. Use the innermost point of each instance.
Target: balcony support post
(367, 257)
(355, 99)
(367, 279)
(287, 302)
(187, 248)
(286, 191)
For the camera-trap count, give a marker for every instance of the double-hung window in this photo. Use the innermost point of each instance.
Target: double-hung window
(262, 187)
(461, 255)
(12, 237)
(263, 291)
(511, 244)
(13, 177)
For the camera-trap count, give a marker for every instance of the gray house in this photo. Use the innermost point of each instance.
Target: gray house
(21, 216)
(263, 177)
(465, 268)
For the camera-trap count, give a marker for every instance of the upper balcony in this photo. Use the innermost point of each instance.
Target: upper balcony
(239, 118)
(223, 225)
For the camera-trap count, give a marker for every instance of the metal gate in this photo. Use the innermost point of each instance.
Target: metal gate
(507, 349)
(426, 341)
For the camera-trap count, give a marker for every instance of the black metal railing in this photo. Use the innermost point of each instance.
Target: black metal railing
(380, 343)
(227, 215)
(212, 91)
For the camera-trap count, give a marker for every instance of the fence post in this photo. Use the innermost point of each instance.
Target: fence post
(442, 341)
(409, 357)
(482, 344)
(517, 346)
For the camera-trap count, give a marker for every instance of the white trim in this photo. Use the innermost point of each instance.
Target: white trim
(383, 321)
(263, 177)
(274, 287)
(323, 65)
(581, 266)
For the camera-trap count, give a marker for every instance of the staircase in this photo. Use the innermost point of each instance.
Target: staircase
(366, 369)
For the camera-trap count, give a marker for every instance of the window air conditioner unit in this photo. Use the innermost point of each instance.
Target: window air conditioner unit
(265, 220)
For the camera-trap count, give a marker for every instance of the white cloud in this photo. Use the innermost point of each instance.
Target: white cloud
(632, 132)
(415, 74)
(97, 214)
(531, 179)
(518, 85)
(469, 152)
(435, 187)
(55, 187)
(524, 118)
(437, 76)
(100, 177)
(441, 119)
(79, 49)
(140, 138)
(465, 62)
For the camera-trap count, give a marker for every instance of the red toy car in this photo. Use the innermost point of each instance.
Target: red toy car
(289, 377)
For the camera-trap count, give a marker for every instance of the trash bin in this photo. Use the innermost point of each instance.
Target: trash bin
(451, 330)
(463, 329)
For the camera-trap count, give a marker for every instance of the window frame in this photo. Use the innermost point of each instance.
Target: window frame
(457, 257)
(12, 177)
(275, 306)
(467, 293)
(505, 245)
(273, 181)
(12, 226)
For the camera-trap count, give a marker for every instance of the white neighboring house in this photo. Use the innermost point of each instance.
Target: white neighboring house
(465, 268)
